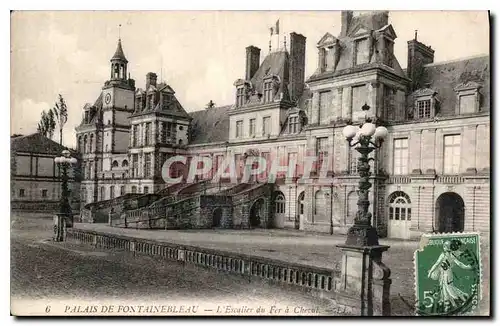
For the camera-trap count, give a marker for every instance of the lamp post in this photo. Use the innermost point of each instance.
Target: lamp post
(331, 208)
(65, 213)
(364, 275)
(366, 138)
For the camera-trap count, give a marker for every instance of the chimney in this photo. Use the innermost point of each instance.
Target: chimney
(419, 55)
(253, 61)
(346, 18)
(297, 65)
(150, 79)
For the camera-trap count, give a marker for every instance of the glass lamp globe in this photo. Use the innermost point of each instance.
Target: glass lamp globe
(368, 129)
(57, 160)
(349, 131)
(380, 132)
(72, 160)
(66, 153)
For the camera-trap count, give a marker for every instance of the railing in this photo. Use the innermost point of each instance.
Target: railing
(399, 179)
(449, 179)
(309, 277)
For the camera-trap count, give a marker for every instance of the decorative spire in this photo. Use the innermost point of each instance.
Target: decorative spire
(119, 55)
(416, 31)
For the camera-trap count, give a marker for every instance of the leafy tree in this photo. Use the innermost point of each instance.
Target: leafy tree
(56, 116)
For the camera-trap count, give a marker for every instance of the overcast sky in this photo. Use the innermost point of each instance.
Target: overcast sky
(201, 53)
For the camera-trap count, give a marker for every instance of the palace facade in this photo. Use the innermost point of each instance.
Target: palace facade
(432, 173)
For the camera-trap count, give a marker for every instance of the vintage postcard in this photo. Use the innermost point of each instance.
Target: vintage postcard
(250, 163)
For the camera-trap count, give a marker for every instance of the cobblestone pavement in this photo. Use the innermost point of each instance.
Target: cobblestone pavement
(48, 272)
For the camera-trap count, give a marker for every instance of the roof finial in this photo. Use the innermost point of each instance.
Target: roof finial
(416, 31)
(269, 46)
(284, 42)
(119, 31)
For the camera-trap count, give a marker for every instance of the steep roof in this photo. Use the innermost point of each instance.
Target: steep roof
(275, 63)
(119, 55)
(210, 125)
(36, 143)
(444, 77)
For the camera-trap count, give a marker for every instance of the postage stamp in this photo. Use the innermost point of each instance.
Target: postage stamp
(448, 274)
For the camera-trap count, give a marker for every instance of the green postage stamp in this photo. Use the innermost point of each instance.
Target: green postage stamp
(447, 274)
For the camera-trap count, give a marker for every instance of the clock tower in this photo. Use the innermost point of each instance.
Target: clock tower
(117, 105)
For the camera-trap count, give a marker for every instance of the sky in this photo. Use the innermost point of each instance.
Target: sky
(200, 54)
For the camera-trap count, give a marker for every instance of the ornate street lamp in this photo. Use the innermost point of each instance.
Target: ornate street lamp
(65, 213)
(366, 138)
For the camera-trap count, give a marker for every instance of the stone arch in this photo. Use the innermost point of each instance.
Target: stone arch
(114, 164)
(300, 209)
(399, 215)
(256, 216)
(124, 164)
(217, 218)
(279, 202)
(450, 212)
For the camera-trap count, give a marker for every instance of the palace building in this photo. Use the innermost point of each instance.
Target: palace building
(432, 173)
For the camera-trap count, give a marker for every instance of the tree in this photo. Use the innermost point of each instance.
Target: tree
(58, 115)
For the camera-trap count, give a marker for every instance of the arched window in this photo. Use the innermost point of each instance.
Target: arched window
(124, 164)
(319, 202)
(79, 145)
(115, 164)
(280, 203)
(103, 193)
(301, 203)
(399, 206)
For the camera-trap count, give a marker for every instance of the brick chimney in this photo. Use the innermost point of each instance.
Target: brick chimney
(346, 18)
(150, 79)
(252, 61)
(419, 55)
(297, 65)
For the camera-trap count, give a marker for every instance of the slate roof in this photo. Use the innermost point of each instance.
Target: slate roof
(444, 77)
(275, 63)
(36, 143)
(210, 125)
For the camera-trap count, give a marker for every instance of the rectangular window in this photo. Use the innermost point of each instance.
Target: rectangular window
(324, 104)
(321, 151)
(267, 157)
(146, 190)
(122, 190)
(451, 154)
(359, 97)
(361, 51)
(238, 164)
(135, 165)
(252, 127)
(240, 97)
(163, 132)
(268, 91)
(467, 104)
(103, 193)
(44, 193)
(266, 126)
(423, 109)
(400, 158)
(134, 136)
(292, 158)
(147, 165)
(21, 193)
(148, 134)
(353, 161)
(293, 125)
(218, 162)
(239, 129)
(112, 192)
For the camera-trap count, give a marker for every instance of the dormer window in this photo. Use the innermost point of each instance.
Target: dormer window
(423, 109)
(268, 91)
(361, 50)
(468, 98)
(240, 96)
(293, 124)
(426, 104)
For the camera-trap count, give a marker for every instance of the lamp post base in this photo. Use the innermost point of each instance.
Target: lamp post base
(362, 236)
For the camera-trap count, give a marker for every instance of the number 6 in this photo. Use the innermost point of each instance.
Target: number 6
(426, 296)
(47, 309)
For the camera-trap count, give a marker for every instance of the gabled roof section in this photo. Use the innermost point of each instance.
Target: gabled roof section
(389, 31)
(424, 92)
(36, 143)
(370, 21)
(210, 125)
(119, 55)
(326, 40)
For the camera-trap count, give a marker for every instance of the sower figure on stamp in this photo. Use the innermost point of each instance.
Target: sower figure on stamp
(443, 273)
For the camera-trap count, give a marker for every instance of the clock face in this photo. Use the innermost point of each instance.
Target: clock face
(107, 98)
